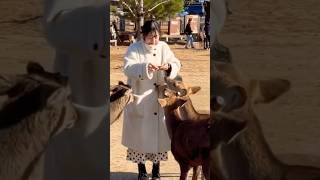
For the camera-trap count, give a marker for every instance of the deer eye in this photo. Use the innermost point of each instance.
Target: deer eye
(183, 92)
(220, 100)
(217, 103)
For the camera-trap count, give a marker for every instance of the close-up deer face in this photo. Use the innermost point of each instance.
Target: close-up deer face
(119, 91)
(172, 99)
(177, 86)
(231, 93)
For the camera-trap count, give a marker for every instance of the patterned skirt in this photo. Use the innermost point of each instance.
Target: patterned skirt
(138, 157)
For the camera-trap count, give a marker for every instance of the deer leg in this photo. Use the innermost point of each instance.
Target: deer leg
(184, 168)
(196, 172)
(206, 170)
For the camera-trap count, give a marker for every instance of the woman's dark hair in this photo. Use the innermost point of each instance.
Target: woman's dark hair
(150, 26)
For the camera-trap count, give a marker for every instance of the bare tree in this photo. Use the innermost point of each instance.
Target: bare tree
(138, 10)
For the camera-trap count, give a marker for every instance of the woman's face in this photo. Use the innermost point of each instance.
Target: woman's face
(152, 38)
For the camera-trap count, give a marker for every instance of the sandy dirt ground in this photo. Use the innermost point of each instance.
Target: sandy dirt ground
(267, 38)
(21, 37)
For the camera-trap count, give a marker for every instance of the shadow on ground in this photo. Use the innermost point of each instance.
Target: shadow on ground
(123, 176)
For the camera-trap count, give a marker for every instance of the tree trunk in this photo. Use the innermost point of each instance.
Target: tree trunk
(140, 21)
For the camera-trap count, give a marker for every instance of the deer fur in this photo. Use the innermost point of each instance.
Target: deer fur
(249, 156)
(35, 107)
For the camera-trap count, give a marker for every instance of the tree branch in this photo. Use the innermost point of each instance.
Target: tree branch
(125, 4)
(165, 1)
(137, 3)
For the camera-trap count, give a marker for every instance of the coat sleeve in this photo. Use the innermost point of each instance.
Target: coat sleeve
(172, 60)
(132, 66)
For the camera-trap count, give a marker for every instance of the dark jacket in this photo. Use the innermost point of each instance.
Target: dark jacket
(188, 30)
(207, 29)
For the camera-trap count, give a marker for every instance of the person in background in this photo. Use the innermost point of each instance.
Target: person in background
(207, 35)
(188, 32)
(113, 34)
(146, 63)
(114, 24)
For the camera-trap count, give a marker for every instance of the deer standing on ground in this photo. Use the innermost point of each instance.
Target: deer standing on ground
(192, 140)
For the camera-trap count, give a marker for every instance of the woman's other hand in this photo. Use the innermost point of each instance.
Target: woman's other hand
(164, 67)
(152, 68)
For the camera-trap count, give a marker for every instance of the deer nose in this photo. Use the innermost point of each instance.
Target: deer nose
(166, 92)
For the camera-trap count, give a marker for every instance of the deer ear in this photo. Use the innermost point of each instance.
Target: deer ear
(35, 68)
(58, 96)
(265, 91)
(162, 102)
(194, 89)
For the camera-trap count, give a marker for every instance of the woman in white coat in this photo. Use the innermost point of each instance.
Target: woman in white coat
(146, 63)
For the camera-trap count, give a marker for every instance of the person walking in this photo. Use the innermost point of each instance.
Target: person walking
(207, 35)
(188, 32)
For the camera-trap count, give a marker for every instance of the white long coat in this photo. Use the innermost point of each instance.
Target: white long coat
(144, 127)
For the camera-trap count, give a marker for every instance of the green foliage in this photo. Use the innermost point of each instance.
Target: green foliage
(166, 10)
(161, 12)
(113, 9)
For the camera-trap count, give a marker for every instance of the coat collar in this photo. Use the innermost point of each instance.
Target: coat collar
(149, 48)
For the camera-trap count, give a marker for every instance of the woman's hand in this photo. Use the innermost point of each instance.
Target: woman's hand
(164, 67)
(152, 68)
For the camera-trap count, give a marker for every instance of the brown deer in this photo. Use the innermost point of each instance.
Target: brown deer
(191, 139)
(182, 90)
(186, 111)
(35, 107)
(249, 156)
(120, 96)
